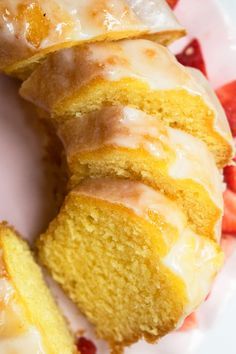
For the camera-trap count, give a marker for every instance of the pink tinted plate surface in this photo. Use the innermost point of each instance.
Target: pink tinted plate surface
(27, 198)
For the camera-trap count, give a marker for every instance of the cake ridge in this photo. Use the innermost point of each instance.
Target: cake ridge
(138, 73)
(32, 30)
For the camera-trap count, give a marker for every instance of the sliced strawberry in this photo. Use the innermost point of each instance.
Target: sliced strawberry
(190, 322)
(192, 56)
(227, 96)
(85, 346)
(172, 3)
(230, 177)
(229, 220)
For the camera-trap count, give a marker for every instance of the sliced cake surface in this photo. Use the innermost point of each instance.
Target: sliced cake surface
(32, 29)
(126, 256)
(30, 321)
(139, 73)
(126, 143)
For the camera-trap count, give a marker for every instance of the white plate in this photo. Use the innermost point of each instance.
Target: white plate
(27, 198)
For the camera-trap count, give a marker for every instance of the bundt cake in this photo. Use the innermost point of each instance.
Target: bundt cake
(126, 143)
(139, 73)
(125, 255)
(135, 244)
(30, 322)
(32, 29)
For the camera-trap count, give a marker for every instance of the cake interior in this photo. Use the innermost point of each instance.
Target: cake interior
(108, 260)
(178, 108)
(203, 213)
(38, 307)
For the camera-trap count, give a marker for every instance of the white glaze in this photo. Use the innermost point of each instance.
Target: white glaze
(139, 130)
(17, 334)
(187, 157)
(135, 196)
(154, 13)
(195, 260)
(139, 59)
(27, 343)
(143, 60)
(12, 320)
(83, 20)
(115, 126)
(194, 161)
(156, 66)
(93, 18)
(221, 122)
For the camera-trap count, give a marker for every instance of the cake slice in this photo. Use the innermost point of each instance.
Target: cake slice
(125, 255)
(30, 321)
(30, 30)
(139, 73)
(126, 143)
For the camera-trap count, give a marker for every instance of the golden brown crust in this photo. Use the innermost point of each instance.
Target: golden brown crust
(139, 73)
(30, 29)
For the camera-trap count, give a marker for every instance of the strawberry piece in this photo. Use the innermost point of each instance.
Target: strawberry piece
(172, 3)
(85, 346)
(189, 323)
(229, 220)
(230, 177)
(227, 96)
(192, 56)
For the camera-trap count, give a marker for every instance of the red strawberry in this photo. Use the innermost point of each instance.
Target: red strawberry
(192, 56)
(85, 346)
(172, 3)
(227, 96)
(230, 177)
(229, 220)
(189, 323)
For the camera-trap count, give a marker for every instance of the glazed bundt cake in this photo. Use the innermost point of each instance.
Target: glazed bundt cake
(32, 29)
(135, 244)
(139, 73)
(30, 322)
(124, 142)
(125, 255)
